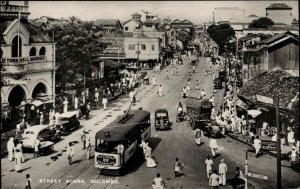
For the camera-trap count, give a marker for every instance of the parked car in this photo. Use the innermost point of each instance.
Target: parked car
(68, 122)
(218, 83)
(47, 134)
(162, 119)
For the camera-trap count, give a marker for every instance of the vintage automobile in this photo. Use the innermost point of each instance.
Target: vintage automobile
(218, 83)
(47, 135)
(222, 75)
(162, 119)
(68, 122)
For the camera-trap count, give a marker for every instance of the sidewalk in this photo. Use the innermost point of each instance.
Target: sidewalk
(246, 139)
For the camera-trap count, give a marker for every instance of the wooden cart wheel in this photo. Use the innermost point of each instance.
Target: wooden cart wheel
(192, 122)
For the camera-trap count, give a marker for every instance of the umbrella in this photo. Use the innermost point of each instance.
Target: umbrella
(254, 113)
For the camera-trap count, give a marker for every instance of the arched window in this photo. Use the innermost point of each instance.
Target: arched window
(32, 51)
(14, 48)
(42, 51)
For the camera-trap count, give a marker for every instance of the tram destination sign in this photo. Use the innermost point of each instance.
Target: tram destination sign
(106, 160)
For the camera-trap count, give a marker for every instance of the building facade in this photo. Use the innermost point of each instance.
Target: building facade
(142, 48)
(280, 13)
(278, 52)
(133, 23)
(227, 13)
(28, 59)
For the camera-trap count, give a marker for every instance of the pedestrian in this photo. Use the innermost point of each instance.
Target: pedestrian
(42, 119)
(198, 136)
(239, 173)
(173, 70)
(160, 90)
(20, 148)
(257, 145)
(10, 148)
(104, 102)
(194, 68)
(167, 74)
(57, 115)
(88, 148)
(28, 182)
(153, 80)
(214, 180)
(148, 156)
(131, 95)
(213, 146)
(178, 168)
(36, 148)
(197, 85)
(88, 110)
(158, 182)
(76, 102)
(96, 98)
(188, 87)
(83, 138)
(209, 162)
(202, 94)
(184, 92)
(70, 152)
(18, 159)
(223, 171)
(66, 105)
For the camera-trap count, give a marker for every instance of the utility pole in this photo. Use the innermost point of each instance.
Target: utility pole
(278, 143)
(246, 169)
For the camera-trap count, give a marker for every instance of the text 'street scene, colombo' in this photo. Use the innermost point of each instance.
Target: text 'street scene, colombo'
(149, 94)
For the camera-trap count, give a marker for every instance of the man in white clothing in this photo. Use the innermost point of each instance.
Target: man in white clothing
(213, 146)
(257, 145)
(209, 162)
(223, 171)
(160, 89)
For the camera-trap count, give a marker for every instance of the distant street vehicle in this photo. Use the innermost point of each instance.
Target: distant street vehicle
(162, 119)
(218, 83)
(68, 122)
(198, 111)
(117, 142)
(222, 75)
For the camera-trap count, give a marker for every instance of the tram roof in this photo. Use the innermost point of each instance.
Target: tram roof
(118, 129)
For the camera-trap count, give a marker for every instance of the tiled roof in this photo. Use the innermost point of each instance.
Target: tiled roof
(273, 83)
(139, 22)
(136, 14)
(106, 22)
(279, 6)
(36, 35)
(149, 21)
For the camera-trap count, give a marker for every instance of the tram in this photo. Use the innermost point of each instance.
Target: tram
(117, 142)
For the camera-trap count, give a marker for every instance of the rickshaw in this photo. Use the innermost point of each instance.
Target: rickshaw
(68, 122)
(162, 119)
(217, 83)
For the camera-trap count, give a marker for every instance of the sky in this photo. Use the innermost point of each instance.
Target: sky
(195, 11)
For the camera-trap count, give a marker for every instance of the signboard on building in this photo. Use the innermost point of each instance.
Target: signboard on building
(22, 59)
(101, 70)
(258, 176)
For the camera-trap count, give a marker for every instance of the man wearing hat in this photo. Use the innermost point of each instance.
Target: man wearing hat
(223, 171)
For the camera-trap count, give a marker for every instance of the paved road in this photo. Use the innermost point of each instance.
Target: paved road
(166, 145)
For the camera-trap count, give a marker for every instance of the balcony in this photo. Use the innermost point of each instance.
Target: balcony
(25, 65)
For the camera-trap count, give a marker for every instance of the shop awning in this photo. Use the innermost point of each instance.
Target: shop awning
(254, 113)
(242, 104)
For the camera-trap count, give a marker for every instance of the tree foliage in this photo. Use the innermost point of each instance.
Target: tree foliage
(77, 46)
(222, 34)
(263, 22)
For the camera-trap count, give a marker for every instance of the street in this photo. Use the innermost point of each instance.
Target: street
(167, 145)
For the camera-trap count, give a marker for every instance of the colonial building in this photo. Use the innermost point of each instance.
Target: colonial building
(27, 57)
(227, 13)
(142, 48)
(133, 23)
(280, 13)
(272, 30)
(280, 51)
